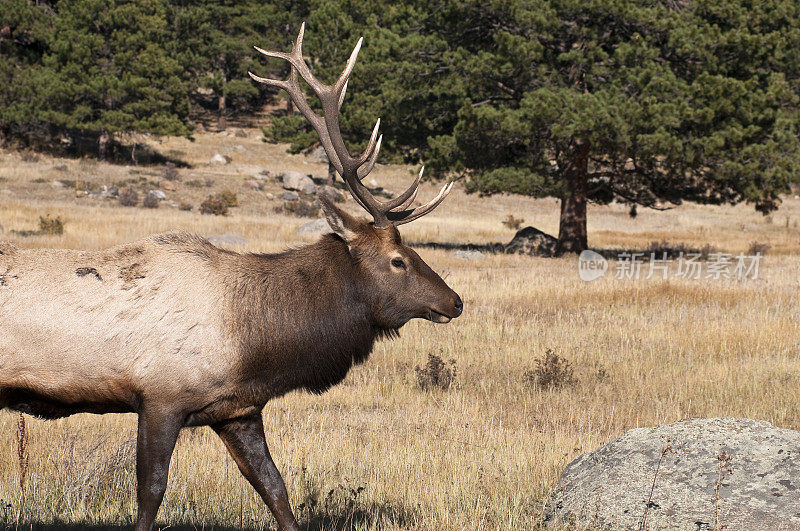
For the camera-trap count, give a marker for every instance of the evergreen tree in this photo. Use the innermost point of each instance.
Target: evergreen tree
(641, 102)
(214, 42)
(107, 71)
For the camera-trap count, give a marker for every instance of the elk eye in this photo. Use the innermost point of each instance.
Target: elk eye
(398, 263)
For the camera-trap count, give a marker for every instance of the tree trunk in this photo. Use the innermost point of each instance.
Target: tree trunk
(331, 173)
(572, 226)
(222, 120)
(102, 145)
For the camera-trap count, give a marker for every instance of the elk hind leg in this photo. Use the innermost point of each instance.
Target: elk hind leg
(244, 438)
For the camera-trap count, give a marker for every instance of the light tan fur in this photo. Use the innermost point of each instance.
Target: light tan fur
(149, 321)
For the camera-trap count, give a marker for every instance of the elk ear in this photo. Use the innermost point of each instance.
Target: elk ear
(342, 223)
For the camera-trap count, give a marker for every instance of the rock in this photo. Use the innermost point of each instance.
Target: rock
(158, 194)
(253, 184)
(373, 183)
(269, 195)
(294, 180)
(168, 186)
(109, 192)
(717, 473)
(290, 196)
(239, 147)
(220, 159)
(318, 155)
(57, 184)
(532, 241)
(468, 254)
(261, 175)
(318, 226)
(329, 192)
(227, 240)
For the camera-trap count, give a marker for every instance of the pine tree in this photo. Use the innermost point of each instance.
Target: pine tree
(106, 72)
(645, 103)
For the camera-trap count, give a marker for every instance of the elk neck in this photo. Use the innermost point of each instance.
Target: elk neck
(302, 318)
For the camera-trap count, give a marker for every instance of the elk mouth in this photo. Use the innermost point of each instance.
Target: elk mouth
(437, 317)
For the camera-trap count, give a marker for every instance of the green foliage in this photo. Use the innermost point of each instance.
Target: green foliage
(691, 102)
(89, 67)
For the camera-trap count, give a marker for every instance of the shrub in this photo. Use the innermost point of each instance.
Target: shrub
(128, 197)
(214, 204)
(186, 207)
(50, 225)
(551, 372)
(758, 248)
(229, 197)
(170, 171)
(513, 223)
(300, 208)
(436, 374)
(150, 201)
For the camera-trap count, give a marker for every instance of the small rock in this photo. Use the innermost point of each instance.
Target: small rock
(228, 240)
(330, 193)
(239, 147)
(318, 155)
(373, 183)
(109, 192)
(468, 254)
(57, 184)
(318, 226)
(168, 186)
(261, 175)
(220, 159)
(269, 195)
(158, 194)
(294, 180)
(290, 196)
(253, 184)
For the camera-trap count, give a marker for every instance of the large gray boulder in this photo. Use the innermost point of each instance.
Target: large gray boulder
(717, 473)
(294, 180)
(314, 228)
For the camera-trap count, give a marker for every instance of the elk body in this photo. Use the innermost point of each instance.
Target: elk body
(186, 334)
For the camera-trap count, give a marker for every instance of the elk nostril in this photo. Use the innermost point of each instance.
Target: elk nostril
(458, 305)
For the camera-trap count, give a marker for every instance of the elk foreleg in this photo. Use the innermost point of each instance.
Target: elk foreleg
(158, 431)
(244, 438)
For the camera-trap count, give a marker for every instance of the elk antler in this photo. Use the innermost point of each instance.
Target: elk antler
(395, 211)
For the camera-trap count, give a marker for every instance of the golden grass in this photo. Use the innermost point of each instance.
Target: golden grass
(376, 452)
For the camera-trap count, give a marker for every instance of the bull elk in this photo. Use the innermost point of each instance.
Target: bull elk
(186, 334)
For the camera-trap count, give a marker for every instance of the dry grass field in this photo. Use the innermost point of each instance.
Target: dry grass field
(379, 452)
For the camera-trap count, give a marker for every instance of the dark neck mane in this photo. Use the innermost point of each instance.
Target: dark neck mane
(302, 319)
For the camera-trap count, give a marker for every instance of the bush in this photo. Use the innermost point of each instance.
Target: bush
(436, 374)
(186, 207)
(214, 204)
(300, 208)
(758, 248)
(170, 172)
(128, 197)
(150, 201)
(513, 223)
(229, 197)
(551, 372)
(49, 225)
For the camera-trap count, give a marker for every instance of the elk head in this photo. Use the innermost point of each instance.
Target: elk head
(401, 285)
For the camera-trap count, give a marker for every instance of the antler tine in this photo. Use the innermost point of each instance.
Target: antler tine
(363, 171)
(370, 145)
(345, 75)
(402, 198)
(407, 202)
(399, 218)
(341, 96)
